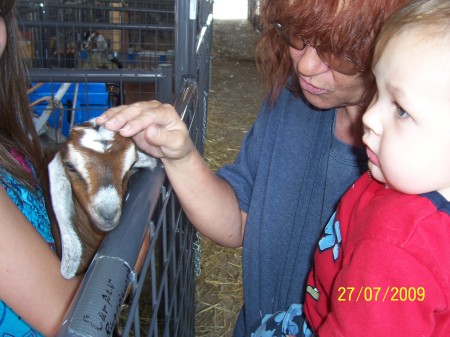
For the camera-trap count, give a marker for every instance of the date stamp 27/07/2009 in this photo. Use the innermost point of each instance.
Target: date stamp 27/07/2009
(381, 294)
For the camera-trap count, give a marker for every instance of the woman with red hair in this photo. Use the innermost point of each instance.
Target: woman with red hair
(302, 153)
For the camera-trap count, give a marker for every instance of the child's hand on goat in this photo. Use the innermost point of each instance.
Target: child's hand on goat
(156, 128)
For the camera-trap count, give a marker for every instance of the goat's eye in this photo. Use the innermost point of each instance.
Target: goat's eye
(70, 166)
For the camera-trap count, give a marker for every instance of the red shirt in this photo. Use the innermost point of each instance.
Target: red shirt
(383, 266)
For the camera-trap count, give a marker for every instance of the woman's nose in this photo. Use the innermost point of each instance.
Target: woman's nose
(309, 62)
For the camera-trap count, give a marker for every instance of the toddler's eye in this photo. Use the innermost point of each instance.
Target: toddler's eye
(401, 113)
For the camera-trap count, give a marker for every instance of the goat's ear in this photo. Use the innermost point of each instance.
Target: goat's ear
(62, 203)
(144, 161)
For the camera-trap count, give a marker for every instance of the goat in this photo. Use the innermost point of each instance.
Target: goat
(88, 178)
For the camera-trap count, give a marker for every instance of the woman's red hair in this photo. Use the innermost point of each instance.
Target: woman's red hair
(349, 26)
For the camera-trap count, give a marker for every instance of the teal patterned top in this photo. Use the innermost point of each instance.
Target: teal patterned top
(32, 205)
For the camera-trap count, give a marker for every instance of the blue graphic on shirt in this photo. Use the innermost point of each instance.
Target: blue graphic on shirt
(282, 323)
(332, 237)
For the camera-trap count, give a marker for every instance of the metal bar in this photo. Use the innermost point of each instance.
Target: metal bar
(94, 75)
(77, 6)
(185, 35)
(165, 87)
(94, 25)
(204, 45)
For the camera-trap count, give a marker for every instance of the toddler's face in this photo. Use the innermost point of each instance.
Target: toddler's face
(407, 126)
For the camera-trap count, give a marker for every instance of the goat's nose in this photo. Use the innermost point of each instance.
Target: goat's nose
(109, 212)
(107, 217)
(107, 208)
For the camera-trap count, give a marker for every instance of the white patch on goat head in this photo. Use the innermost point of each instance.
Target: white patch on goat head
(61, 198)
(97, 140)
(78, 159)
(105, 208)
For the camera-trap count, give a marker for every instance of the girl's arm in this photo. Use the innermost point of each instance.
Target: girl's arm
(30, 280)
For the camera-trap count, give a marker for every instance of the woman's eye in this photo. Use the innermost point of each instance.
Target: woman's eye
(401, 113)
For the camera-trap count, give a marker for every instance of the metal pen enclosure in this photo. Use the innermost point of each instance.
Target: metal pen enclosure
(84, 57)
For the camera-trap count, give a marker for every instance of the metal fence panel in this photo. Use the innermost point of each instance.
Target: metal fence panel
(84, 57)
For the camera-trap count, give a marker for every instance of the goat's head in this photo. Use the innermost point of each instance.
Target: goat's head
(93, 41)
(88, 179)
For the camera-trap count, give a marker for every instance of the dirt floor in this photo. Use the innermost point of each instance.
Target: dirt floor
(234, 100)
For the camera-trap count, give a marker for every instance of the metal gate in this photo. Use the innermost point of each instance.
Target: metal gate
(84, 57)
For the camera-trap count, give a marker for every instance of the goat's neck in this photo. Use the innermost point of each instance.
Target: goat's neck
(89, 237)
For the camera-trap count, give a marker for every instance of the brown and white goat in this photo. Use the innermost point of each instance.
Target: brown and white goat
(88, 179)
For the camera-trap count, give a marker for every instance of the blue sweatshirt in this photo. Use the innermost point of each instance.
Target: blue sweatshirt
(288, 177)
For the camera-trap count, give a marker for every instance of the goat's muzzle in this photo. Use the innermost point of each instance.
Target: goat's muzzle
(105, 209)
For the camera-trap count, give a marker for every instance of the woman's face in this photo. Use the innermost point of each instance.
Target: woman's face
(3, 36)
(322, 86)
